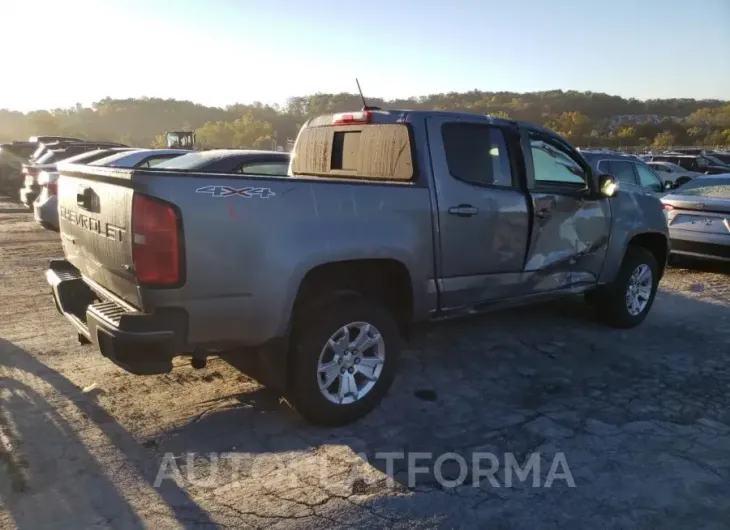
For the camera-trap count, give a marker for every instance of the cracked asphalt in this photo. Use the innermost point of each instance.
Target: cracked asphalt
(640, 417)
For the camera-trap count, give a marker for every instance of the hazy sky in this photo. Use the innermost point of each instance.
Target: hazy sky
(218, 52)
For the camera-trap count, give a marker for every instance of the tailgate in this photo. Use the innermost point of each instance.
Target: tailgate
(95, 215)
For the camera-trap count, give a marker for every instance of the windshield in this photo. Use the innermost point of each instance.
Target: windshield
(86, 156)
(188, 162)
(707, 187)
(725, 159)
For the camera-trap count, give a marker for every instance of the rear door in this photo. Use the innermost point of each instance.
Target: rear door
(482, 209)
(95, 213)
(571, 226)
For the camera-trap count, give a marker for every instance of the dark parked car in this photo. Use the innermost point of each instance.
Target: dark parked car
(231, 161)
(45, 207)
(631, 172)
(698, 163)
(698, 215)
(31, 188)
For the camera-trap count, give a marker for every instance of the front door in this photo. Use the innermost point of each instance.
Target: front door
(483, 212)
(571, 226)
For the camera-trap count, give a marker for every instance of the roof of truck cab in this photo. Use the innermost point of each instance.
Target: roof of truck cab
(402, 113)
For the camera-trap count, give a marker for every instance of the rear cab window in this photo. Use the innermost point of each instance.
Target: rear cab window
(354, 145)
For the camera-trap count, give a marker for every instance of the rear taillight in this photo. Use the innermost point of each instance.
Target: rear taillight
(667, 207)
(156, 242)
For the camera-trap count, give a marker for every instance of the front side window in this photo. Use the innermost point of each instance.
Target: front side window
(477, 154)
(647, 178)
(554, 165)
(265, 168)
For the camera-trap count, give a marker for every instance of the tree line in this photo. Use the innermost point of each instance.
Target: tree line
(587, 119)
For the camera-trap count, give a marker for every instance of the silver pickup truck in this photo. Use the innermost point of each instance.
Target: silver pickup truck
(386, 218)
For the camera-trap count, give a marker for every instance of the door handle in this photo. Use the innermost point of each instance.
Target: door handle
(464, 210)
(82, 197)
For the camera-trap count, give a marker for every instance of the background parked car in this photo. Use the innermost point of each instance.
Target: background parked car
(139, 158)
(47, 161)
(698, 215)
(629, 171)
(673, 173)
(12, 157)
(698, 163)
(45, 206)
(231, 161)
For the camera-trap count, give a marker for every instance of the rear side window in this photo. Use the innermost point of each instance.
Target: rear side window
(477, 154)
(265, 168)
(381, 152)
(648, 179)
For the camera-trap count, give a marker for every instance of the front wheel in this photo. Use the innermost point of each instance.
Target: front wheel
(626, 303)
(344, 358)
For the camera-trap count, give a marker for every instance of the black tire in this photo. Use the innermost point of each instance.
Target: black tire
(611, 300)
(318, 322)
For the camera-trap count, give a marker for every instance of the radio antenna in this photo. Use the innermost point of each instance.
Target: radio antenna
(364, 103)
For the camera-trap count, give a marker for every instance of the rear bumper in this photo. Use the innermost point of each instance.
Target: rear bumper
(46, 212)
(700, 245)
(138, 342)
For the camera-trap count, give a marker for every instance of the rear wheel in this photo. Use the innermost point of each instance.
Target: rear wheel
(345, 352)
(626, 302)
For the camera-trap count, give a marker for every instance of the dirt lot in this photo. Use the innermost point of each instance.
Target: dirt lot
(642, 419)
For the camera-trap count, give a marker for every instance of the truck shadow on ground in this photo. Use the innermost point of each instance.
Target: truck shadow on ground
(533, 379)
(539, 379)
(53, 478)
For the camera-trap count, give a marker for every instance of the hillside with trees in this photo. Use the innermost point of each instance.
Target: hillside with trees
(585, 118)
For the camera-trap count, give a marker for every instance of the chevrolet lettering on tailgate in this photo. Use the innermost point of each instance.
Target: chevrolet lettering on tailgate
(92, 224)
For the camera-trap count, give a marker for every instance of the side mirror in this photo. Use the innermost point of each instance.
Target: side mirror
(607, 185)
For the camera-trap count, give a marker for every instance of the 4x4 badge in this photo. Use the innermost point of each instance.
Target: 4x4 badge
(227, 191)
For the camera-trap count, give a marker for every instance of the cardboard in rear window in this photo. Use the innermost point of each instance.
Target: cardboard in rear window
(381, 152)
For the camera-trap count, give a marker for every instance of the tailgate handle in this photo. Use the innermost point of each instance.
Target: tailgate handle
(83, 196)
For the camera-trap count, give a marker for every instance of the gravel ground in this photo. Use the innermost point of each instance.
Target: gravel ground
(580, 425)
